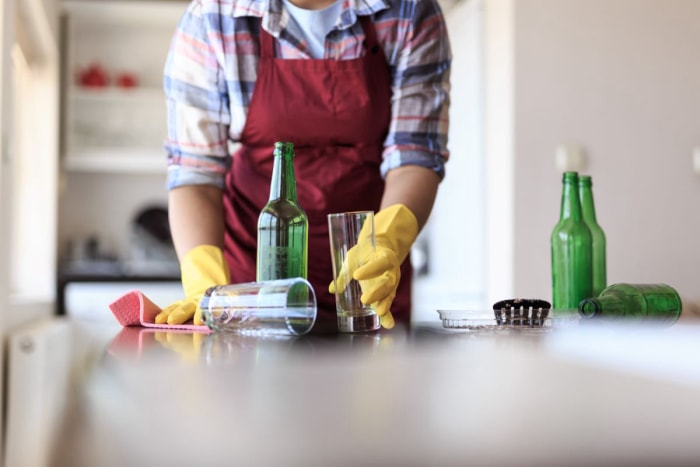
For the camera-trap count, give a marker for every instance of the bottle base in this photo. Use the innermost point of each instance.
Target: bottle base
(364, 323)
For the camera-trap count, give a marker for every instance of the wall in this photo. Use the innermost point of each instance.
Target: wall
(31, 157)
(497, 69)
(454, 235)
(620, 78)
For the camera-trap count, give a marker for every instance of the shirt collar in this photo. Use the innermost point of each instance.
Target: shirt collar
(274, 16)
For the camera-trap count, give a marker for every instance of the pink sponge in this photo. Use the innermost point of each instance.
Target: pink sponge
(135, 309)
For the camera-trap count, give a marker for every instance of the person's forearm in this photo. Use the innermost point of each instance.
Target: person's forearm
(196, 217)
(414, 186)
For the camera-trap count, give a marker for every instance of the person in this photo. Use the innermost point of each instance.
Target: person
(361, 88)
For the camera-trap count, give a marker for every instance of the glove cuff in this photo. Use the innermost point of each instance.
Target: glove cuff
(202, 267)
(396, 226)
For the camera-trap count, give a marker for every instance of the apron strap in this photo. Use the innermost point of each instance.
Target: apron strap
(370, 34)
(267, 45)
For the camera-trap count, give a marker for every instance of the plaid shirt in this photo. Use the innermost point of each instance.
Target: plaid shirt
(212, 66)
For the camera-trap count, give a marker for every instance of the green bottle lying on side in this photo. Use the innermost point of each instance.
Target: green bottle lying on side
(658, 302)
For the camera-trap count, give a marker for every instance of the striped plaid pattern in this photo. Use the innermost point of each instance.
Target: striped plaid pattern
(212, 64)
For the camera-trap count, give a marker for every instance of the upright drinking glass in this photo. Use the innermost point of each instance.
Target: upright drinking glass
(352, 242)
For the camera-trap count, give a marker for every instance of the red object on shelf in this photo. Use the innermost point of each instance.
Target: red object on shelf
(127, 80)
(93, 76)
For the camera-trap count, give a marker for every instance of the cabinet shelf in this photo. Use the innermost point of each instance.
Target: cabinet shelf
(112, 94)
(115, 160)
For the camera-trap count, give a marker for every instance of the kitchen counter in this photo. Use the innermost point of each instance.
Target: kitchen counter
(584, 395)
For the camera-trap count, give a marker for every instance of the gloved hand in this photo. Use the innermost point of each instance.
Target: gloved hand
(202, 267)
(395, 228)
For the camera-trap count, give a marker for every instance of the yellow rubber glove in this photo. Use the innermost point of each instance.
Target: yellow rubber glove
(202, 267)
(395, 228)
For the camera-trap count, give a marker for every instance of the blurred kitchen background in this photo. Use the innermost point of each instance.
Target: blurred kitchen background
(605, 87)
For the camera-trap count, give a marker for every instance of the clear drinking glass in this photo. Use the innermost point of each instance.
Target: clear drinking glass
(276, 307)
(352, 241)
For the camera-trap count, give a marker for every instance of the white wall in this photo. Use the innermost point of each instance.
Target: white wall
(621, 79)
(498, 70)
(35, 179)
(455, 234)
(34, 142)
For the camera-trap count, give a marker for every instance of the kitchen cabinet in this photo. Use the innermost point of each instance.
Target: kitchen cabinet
(112, 163)
(114, 106)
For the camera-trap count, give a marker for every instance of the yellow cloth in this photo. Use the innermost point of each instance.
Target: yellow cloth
(202, 267)
(395, 230)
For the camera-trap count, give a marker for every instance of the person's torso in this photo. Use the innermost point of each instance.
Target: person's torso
(337, 115)
(240, 50)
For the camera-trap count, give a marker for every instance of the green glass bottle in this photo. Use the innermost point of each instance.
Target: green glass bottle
(657, 302)
(572, 252)
(585, 192)
(283, 228)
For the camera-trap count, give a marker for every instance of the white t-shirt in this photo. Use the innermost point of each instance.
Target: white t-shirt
(316, 24)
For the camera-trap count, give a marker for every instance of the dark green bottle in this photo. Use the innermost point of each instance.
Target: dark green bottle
(283, 228)
(657, 302)
(585, 192)
(572, 251)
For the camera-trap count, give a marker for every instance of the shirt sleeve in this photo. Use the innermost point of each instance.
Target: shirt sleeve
(420, 92)
(198, 114)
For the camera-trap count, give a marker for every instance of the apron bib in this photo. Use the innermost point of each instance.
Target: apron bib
(337, 115)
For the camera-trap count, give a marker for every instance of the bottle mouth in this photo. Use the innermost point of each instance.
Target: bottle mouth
(588, 308)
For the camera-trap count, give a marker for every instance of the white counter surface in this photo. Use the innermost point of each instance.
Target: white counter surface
(580, 396)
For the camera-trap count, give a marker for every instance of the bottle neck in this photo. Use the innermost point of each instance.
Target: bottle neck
(613, 303)
(587, 205)
(283, 185)
(589, 308)
(570, 204)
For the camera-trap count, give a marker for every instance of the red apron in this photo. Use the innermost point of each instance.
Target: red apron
(337, 115)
